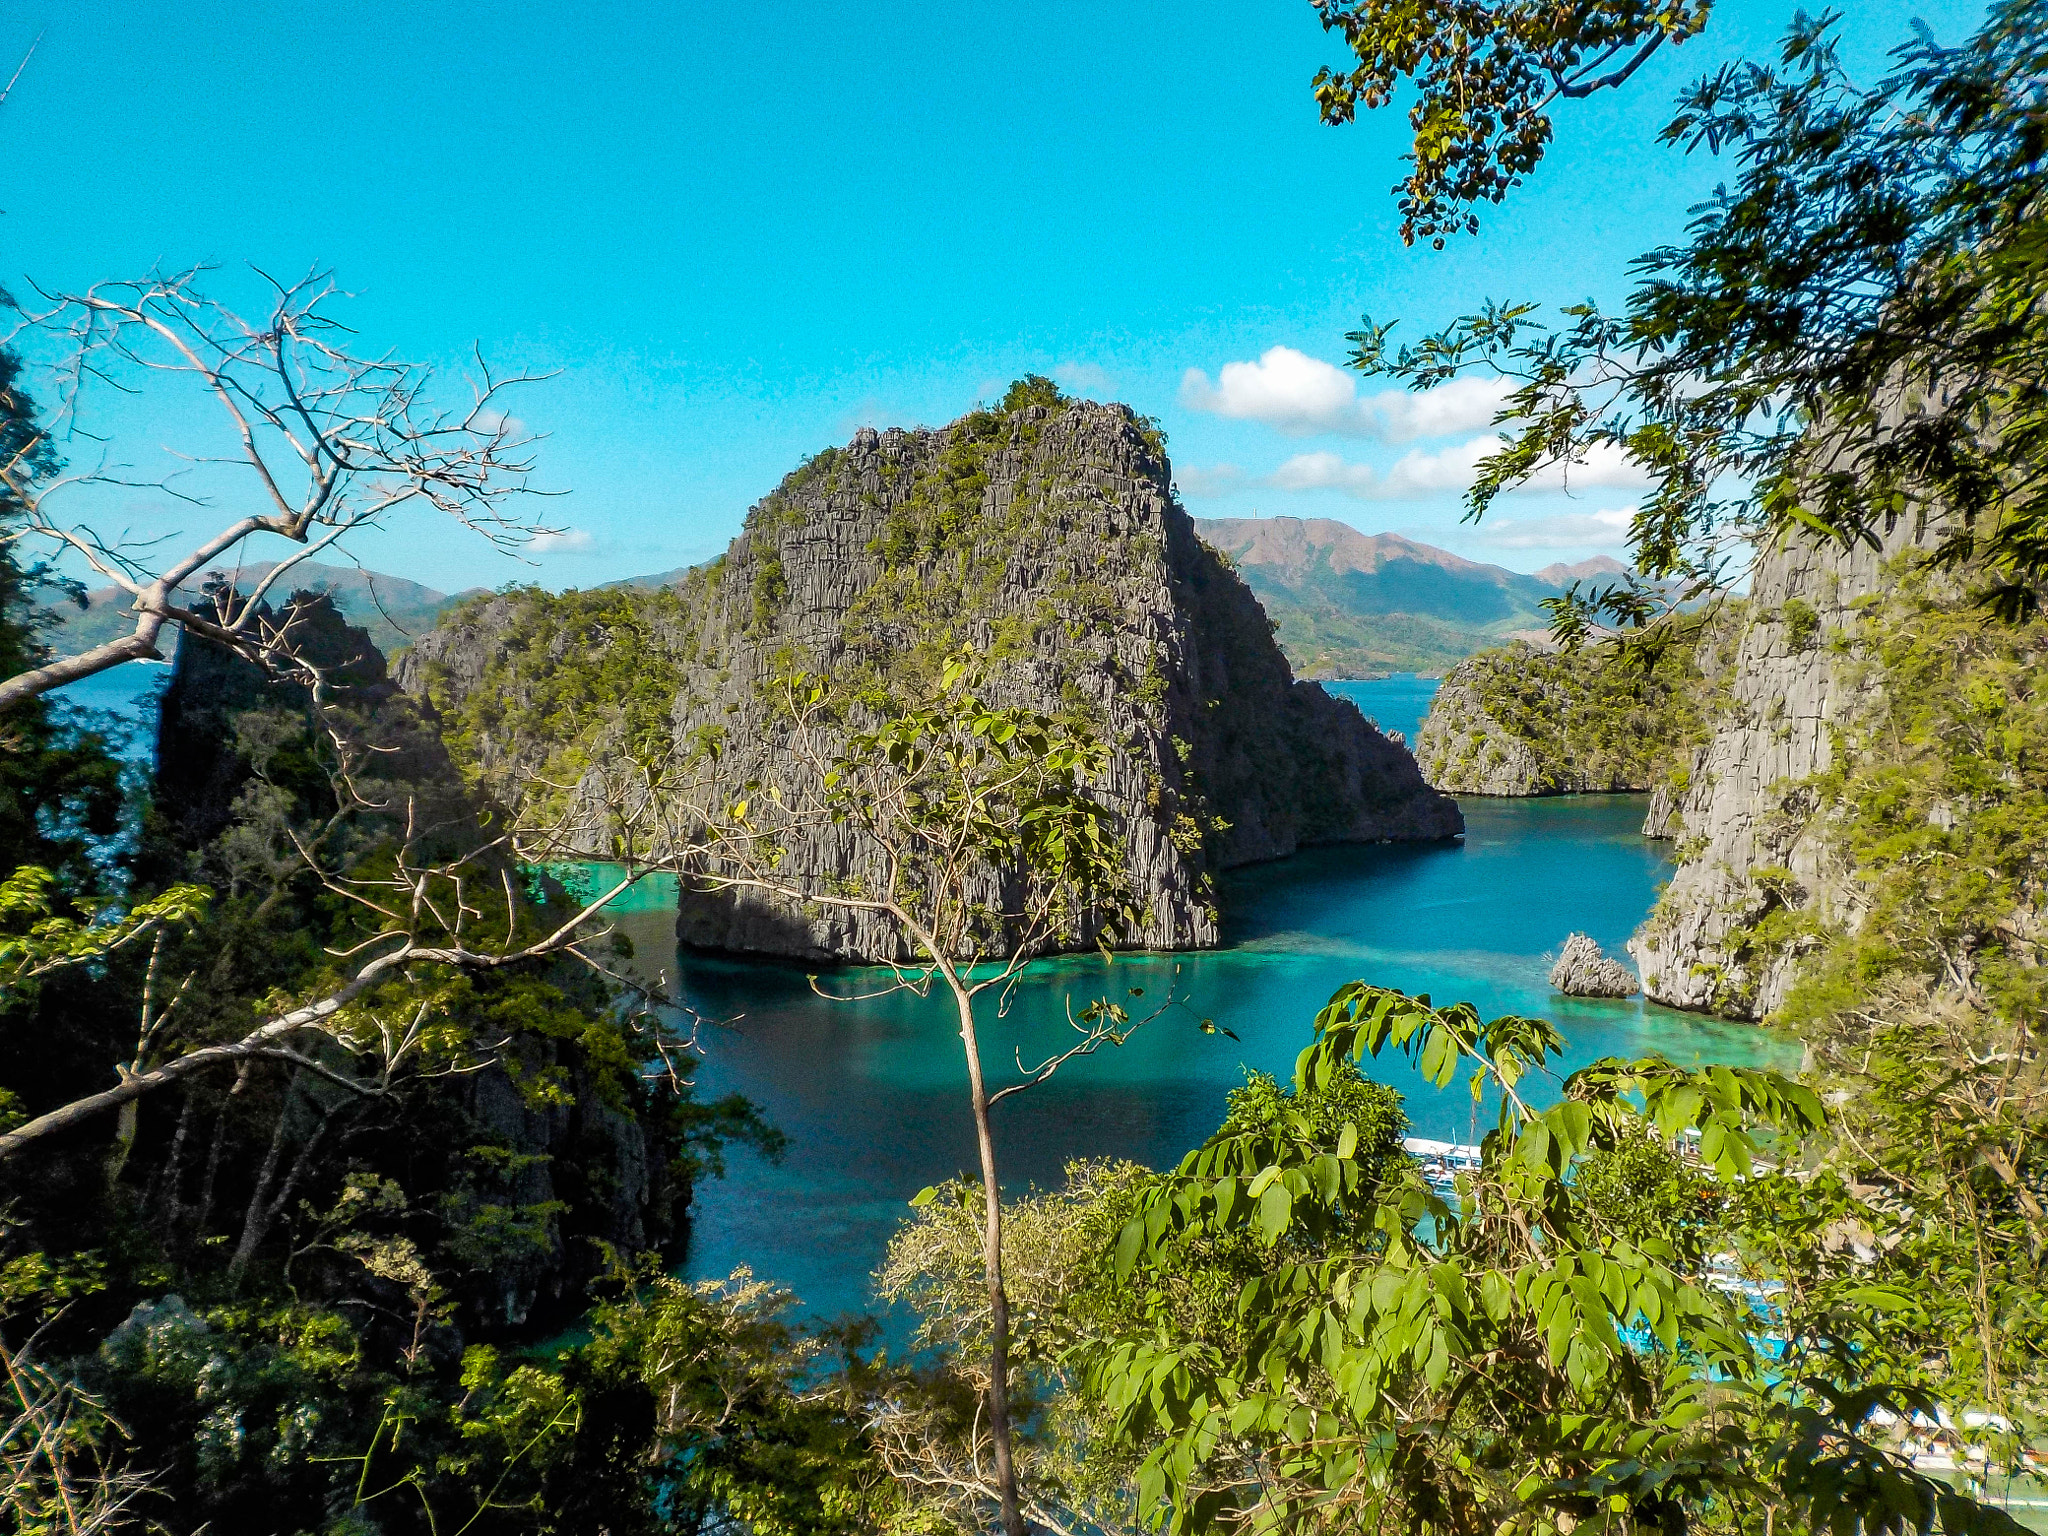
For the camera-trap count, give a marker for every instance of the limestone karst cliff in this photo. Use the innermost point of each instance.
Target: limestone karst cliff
(1757, 846)
(1045, 537)
(240, 759)
(1523, 720)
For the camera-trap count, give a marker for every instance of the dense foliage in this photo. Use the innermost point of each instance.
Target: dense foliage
(280, 1296)
(566, 678)
(1668, 1300)
(1576, 721)
(1487, 75)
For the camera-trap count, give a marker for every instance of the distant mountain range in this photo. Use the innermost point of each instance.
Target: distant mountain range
(1351, 604)
(1346, 604)
(391, 608)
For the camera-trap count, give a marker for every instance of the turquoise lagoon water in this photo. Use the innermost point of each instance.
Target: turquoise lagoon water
(1395, 703)
(871, 1094)
(124, 701)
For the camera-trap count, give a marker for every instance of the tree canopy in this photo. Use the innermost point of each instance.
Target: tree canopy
(1487, 76)
(1854, 331)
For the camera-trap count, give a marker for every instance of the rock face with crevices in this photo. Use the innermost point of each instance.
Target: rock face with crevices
(1047, 540)
(1749, 844)
(1584, 970)
(1526, 719)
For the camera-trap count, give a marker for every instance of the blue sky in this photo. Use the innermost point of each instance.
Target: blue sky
(735, 233)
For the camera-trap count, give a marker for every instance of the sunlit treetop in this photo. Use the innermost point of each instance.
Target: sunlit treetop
(1855, 331)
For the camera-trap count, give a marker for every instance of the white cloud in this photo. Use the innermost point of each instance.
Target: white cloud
(1287, 389)
(562, 541)
(492, 420)
(1605, 529)
(1415, 476)
(1087, 378)
(1323, 472)
(1605, 467)
(1458, 406)
(1304, 396)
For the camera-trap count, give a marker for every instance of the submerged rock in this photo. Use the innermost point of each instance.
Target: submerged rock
(1582, 970)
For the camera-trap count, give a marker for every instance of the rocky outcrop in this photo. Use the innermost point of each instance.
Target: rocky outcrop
(1526, 719)
(1463, 748)
(1750, 845)
(1583, 970)
(1045, 538)
(211, 721)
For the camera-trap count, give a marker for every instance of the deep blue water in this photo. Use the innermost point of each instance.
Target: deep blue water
(1395, 703)
(124, 700)
(871, 1094)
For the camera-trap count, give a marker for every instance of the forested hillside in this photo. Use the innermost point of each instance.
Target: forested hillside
(1348, 604)
(1527, 719)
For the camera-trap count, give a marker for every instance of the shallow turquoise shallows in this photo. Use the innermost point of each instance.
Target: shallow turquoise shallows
(872, 1098)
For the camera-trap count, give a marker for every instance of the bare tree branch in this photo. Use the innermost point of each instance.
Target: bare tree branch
(333, 443)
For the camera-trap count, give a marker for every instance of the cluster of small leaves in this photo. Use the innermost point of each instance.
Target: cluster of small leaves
(37, 939)
(1062, 1294)
(1855, 331)
(1486, 75)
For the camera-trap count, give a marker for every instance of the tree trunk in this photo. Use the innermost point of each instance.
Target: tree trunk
(992, 1267)
(125, 1126)
(165, 1196)
(263, 1216)
(253, 1220)
(220, 1132)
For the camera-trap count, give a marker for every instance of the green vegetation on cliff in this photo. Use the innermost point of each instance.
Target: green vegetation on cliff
(563, 677)
(1525, 721)
(1932, 814)
(1043, 536)
(286, 1292)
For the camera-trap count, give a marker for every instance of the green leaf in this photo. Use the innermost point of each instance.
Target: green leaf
(1276, 1205)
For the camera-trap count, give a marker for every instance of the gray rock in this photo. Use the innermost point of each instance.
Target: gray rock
(1748, 806)
(1582, 970)
(1466, 748)
(1094, 591)
(1463, 750)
